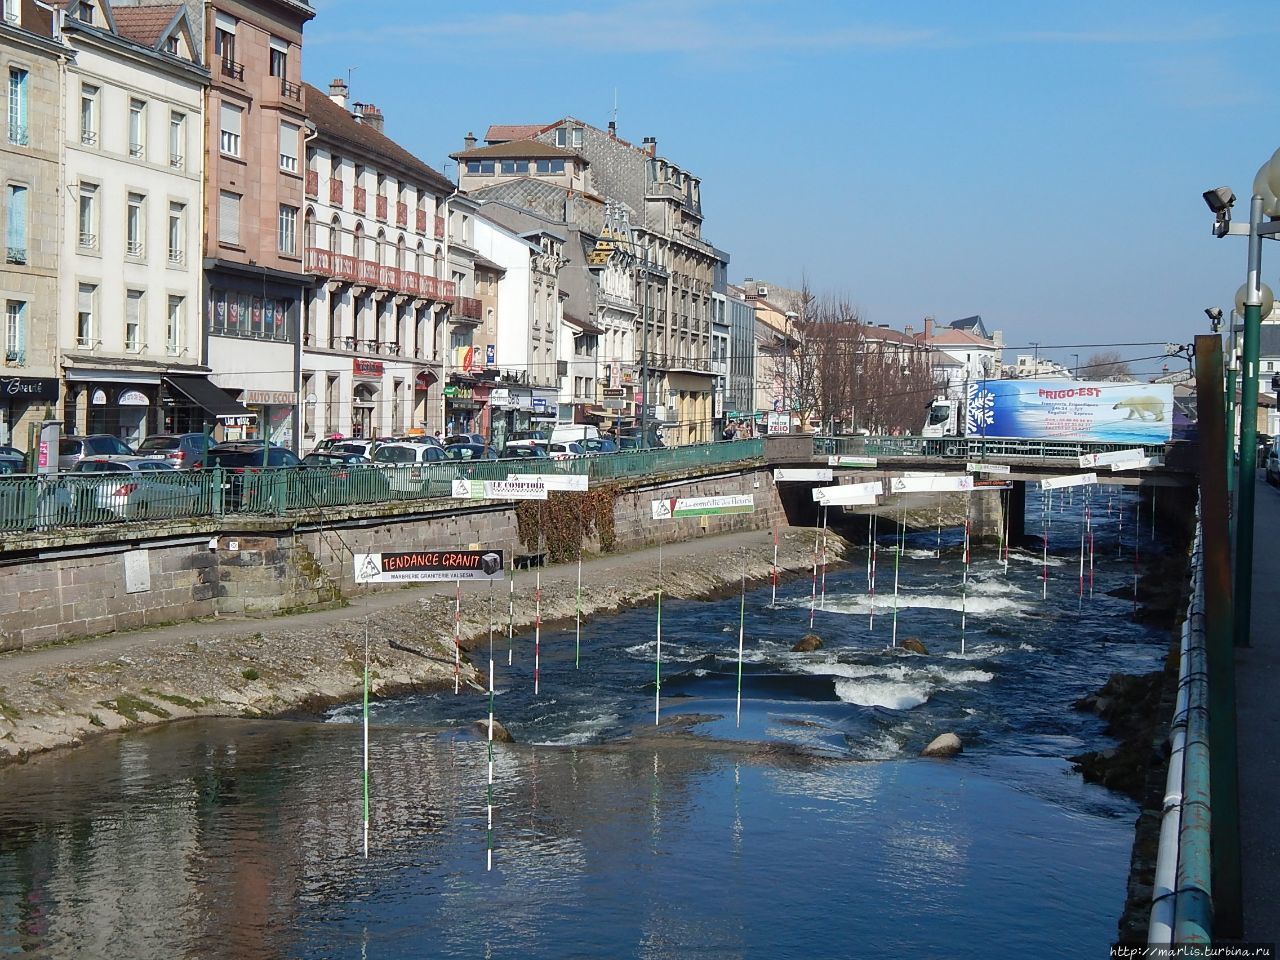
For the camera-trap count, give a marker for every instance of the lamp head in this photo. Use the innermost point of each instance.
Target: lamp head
(1215, 318)
(1219, 199)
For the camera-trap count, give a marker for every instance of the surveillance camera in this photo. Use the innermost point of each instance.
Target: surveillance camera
(1213, 313)
(1219, 199)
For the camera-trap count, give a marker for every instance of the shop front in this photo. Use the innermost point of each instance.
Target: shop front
(273, 413)
(463, 410)
(366, 389)
(190, 403)
(21, 399)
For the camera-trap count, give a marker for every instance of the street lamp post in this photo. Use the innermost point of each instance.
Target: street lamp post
(1248, 428)
(1075, 371)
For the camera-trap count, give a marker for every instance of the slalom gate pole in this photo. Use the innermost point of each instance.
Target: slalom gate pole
(489, 790)
(366, 739)
(742, 622)
(657, 685)
(457, 635)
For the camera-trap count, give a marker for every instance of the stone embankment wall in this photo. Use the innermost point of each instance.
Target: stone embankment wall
(63, 589)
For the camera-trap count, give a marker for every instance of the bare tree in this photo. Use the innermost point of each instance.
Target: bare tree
(1107, 365)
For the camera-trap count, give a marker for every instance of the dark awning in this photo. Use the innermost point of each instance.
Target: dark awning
(205, 394)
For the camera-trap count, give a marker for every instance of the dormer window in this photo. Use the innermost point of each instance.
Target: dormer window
(562, 137)
(171, 46)
(577, 136)
(84, 12)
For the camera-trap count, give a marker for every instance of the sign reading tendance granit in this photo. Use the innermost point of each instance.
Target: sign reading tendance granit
(424, 566)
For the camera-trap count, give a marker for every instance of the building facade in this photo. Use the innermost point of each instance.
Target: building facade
(32, 61)
(255, 279)
(373, 338)
(130, 291)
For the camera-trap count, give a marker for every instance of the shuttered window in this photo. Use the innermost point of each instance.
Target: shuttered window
(231, 116)
(289, 147)
(229, 218)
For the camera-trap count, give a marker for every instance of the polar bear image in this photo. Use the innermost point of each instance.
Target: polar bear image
(1144, 408)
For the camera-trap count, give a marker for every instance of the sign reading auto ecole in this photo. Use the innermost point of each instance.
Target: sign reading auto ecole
(424, 566)
(28, 388)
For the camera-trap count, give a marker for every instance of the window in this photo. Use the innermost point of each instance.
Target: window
(88, 216)
(522, 166)
(173, 326)
(177, 230)
(85, 298)
(88, 114)
(289, 147)
(15, 232)
(508, 166)
(171, 45)
(177, 139)
(137, 128)
(288, 229)
(228, 218)
(473, 166)
(11, 11)
(557, 166)
(230, 141)
(562, 137)
(133, 321)
(15, 331)
(577, 136)
(84, 11)
(486, 168)
(135, 219)
(17, 106)
(224, 37)
(279, 57)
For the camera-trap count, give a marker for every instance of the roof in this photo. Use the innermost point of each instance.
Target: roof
(517, 149)
(146, 25)
(586, 326)
(503, 132)
(970, 323)
(335, 123)
(486, 263)
(948, 337)
(887, 334)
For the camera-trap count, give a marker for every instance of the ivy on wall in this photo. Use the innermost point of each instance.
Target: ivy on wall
(564, 520)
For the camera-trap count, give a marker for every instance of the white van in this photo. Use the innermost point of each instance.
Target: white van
(572, 432)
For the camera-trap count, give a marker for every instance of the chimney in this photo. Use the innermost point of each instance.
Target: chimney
(928, 328)
(650, 146)
(469, 141)
(909, 330)
(997, 337)
(613, 129)
(369, 115)
(338, 92)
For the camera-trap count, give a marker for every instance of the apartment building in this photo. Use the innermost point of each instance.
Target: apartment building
(31, 63)
(374, 331)
(130, 273)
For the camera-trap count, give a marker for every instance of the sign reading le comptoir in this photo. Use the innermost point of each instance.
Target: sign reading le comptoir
(428, 565)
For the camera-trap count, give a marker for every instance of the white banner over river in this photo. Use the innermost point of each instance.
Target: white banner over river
(678, 508)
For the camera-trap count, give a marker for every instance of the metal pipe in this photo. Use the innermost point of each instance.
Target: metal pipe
(1233, 368)
(1194, 908)
(1248, 430)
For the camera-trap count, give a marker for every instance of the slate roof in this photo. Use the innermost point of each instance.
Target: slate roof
(145, 25)
(586, 326)
(1269, 340)
(517, 149)
(335, 123)
(504, 132)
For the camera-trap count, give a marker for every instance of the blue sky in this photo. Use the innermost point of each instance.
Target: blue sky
(1039, 164)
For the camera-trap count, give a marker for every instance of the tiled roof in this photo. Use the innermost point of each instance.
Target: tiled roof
(516, 149)
(586, 326)
(145, 25)
(503, 132)
(950, 337)
(335, 123)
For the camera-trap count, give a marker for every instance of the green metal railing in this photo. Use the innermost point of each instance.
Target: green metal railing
(968, 448)
(46, 503)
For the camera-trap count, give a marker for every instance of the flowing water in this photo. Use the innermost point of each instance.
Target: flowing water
(812, 829)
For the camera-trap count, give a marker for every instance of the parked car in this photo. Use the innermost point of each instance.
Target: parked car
(1272, 465)
(72, 449)
(31, 502)
(133, 488)
(183, 451)
(529, 438)
(596, 445)
(524, 451)
(470, 451)
(10, 464)
(573, 432)
(475, 438)
(242, 461)
(407, 467)
(364, 448)
(565, 451)
(328, 479)
(323, 459)
(7, 451)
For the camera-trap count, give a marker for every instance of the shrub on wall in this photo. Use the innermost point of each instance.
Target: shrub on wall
(564, 520)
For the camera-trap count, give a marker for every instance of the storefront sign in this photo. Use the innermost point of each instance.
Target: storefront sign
(269, 398)
(539, 405)
(574, 482)
(428, 566)
(851, 461)
(98, 398)
(779, 423)
(29, 388)
(366, 368)
(677, 508)
(133, 398)
(489, 355)
(613, 393)
(499, 490)
(238, 421)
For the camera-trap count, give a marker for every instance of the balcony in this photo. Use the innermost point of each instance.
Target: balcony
(15, 255)
(389, 348)
(380, 207)
(335, 191)
(176, 257)
(402, 214)
(389, 278)
(358, 199)
(291, 91)
(468, 308)
(313, 184)
(439, 228)
(88, 241)
(342, 343)
(340, 266)
(664, 361)
(176, 160)
(18, 134)
(88, 138)
(367, 346)
(233, 70)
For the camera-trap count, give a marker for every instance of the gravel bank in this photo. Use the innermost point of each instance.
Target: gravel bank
(60, 696)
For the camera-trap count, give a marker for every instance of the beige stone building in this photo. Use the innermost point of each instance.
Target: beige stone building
(31, 63)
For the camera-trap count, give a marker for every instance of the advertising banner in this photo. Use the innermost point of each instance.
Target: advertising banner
(851, 461)
(426, 566)
(1072, 410)
(499, 490)
(1140, 464)
(819, 474)
(1077, 480)
(990, 467)
(930, 484)
(572, 482)
(848, 494)
(675, 509)
(1117, 456)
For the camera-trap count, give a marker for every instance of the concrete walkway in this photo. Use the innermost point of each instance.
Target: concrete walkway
(1258, 717)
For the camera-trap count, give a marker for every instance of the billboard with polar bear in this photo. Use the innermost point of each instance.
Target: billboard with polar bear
(1086, 411)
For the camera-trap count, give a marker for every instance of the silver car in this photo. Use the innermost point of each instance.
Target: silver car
(134, 488)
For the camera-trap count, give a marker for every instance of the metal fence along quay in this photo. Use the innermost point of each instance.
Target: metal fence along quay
(47, 502)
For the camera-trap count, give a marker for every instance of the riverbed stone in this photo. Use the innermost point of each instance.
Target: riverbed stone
(945, 745)
(500, 733)
(807, 644)
(915, 646)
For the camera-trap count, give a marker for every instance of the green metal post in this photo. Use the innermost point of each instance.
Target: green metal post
(1232, 365)
(1248, 430)
(1220, 656)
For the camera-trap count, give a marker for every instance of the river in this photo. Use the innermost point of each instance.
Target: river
(812, 829)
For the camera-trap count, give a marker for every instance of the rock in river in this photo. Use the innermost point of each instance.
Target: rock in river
(807, 644)
(914, 645)
(946, 745)
(500, 733)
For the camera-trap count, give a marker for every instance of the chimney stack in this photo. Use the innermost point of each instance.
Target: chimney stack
(338, 92)
(650, 146)
(613, 129)
(369, 115)
(928, 328)
(469, 141)
(909, 330)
